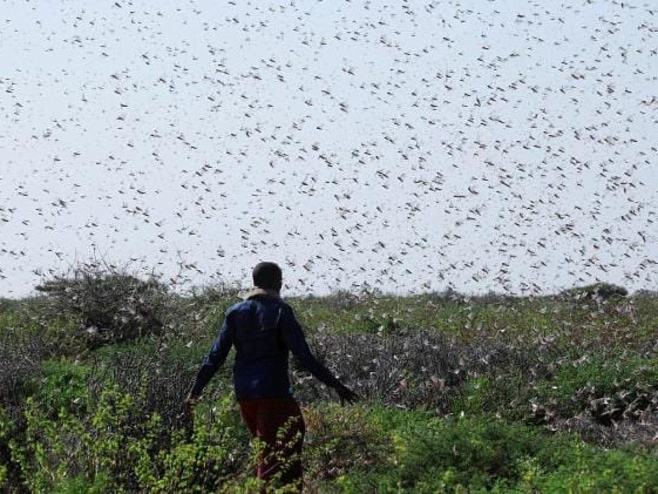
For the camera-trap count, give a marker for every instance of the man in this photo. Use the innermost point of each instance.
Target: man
(264, 329)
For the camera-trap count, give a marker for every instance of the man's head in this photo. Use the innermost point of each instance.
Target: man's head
(267, 275)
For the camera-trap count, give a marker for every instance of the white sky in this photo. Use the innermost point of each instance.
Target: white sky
(409, 146)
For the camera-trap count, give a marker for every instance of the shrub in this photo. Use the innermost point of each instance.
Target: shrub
(405, 368)
(339, 439)
(20, 356)
(110, 304)
(482, 453)
(157, 376)
(576, 467)
(8, 305)
(596, 291)
(476, 451)
(418, 368)
(606, 388)
(217, 451)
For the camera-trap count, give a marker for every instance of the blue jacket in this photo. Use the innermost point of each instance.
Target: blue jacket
(263, 330)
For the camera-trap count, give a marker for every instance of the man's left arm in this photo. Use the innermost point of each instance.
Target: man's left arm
(293, 335)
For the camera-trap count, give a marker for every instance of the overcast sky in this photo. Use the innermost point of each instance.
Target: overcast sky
(408, 146)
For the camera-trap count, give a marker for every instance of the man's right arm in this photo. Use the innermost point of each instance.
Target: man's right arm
(215, 358)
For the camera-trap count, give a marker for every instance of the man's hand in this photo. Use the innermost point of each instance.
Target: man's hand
(188, 406)
(346, 395)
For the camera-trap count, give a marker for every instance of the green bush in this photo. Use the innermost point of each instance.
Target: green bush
(116, 447)
(485, 454)
(477, 451)
(576, 467)
(216, 451)
(76, 485)
(62, 384)
(608, 388)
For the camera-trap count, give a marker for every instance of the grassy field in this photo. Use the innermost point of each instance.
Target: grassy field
(460, 394)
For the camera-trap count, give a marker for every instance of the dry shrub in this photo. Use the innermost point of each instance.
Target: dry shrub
(416, 368)
(596, 291)
(111, 305)
(158, 380)
(20, 360)
(641, 431)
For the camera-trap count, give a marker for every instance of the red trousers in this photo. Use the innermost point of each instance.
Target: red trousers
(279, 424)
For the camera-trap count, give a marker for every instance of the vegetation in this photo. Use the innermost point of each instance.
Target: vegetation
(460, 394)
(108, 305)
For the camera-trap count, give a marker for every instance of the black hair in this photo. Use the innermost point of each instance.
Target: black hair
(267, 275)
